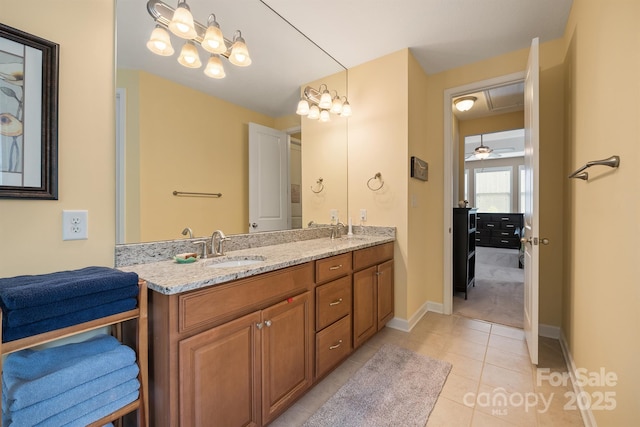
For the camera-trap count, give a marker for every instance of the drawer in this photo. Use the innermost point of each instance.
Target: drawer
(482, 233)
(333, 267)
(333, 301)
(510, 217)
(505, 242)
(483, 241)
(333, 344)
(221, 303)
(364, 258)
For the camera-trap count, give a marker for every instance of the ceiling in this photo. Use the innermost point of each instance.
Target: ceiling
(441, 34)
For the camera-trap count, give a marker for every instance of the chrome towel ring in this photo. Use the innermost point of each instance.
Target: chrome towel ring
(320, 186)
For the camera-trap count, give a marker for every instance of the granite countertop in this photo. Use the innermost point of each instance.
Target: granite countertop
(168, 277)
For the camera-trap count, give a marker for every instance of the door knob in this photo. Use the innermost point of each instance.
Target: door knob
(535, 240)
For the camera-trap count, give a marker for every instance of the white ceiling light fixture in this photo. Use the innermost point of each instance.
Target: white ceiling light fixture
(465, 103)
(482, 151)
(180, 22)
(318, 104)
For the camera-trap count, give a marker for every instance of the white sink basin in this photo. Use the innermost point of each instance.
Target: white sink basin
(240, 261)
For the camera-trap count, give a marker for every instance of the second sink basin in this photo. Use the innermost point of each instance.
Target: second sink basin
(235, 261)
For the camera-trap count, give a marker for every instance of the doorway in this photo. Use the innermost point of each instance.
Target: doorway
(452, 158)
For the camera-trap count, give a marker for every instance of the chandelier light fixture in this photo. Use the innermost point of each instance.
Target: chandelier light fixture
(318, 104)
(465, 103)
(179, 21)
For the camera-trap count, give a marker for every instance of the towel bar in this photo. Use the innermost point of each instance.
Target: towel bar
(612, 162)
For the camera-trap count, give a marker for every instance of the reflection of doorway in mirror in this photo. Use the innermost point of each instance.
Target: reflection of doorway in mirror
(295, 178)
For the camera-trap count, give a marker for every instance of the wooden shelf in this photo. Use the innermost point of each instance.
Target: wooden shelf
(116, 321)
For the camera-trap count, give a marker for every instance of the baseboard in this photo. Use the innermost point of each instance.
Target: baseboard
(549, 331)
(587, 415)
(407, 325)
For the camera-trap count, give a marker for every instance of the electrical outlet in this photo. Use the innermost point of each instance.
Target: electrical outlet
(75, 225)
(333, 213)
(363, 214)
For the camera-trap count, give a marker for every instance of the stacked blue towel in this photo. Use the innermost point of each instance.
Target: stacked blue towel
(74, 384)
(35, 304)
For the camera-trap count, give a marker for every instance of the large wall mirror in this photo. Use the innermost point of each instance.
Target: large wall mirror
(179, 130)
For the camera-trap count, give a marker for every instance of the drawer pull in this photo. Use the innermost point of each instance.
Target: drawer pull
(336, 267)
(504, 241)
(333, 347)
(505, 218)
(336, 302)
(490, 225)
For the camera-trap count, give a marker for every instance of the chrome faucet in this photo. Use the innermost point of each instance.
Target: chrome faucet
(217, 243)
(186, 231)
(336, 233)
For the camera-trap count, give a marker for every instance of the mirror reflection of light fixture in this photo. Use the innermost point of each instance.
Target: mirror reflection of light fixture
(180, 22)
(465, 103)
(189, 56)
(482, 151)
(318, 104)
(160, 42)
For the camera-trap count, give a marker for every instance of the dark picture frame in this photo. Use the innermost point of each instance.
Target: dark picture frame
(419, 169)
(28, 116)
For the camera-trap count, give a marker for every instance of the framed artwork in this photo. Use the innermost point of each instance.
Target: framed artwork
(419, 169)
(28, 116)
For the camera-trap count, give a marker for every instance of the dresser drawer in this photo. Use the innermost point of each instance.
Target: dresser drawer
(221, 303)
(367, 257)
(333, 267)
(510, 217)
(502, 233)
(333, 301)
(505, 242)
(332, 345)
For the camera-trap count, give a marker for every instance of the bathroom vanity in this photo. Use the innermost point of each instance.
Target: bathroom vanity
(236, 346)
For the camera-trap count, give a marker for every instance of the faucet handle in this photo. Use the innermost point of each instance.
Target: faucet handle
(204, 247)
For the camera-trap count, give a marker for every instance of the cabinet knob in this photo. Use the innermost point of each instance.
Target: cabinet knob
(259, 325)
(333, 347)
(336, 302)
(267, 323)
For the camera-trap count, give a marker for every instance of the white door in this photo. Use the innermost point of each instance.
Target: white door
(531, 168)
(268, 179)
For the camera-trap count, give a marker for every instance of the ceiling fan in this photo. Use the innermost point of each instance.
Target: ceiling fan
(482, 152)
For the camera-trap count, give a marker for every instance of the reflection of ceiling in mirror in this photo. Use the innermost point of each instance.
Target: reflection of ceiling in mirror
(270, 85)
(493, 101)
(504, 144)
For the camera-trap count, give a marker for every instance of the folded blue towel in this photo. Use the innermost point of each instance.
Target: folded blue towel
(84, 315)
(24, 316)
(90, 405)
(40, 411)
(27, 291)
(104, 411)
(32, 376)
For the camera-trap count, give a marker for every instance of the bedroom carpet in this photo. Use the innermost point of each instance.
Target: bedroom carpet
(498, 296)
(396, 387)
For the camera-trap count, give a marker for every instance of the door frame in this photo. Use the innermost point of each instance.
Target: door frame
(451, 173)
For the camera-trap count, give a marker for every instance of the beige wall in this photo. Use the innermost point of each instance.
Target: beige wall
(30, 230)
(188, 141)
(378, 142)
(600, 298)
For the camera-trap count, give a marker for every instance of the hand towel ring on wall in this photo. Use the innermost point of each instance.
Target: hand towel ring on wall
(320, 186)
(376, 176)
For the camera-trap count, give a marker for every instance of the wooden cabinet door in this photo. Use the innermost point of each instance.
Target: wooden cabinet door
(286, 353)
(220, 375)
(365, 305)
(385, 293)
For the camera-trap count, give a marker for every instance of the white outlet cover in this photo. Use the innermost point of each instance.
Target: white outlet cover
(75, 225)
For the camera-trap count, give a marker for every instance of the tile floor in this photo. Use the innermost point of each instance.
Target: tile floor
(490, 362)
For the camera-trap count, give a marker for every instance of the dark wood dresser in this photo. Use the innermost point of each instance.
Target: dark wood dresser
(499, 230)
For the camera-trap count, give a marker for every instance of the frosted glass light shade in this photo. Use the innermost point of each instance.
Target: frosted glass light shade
(303, 107)
(213, 40)
(336, 105)
(239, 53)
(465, 104)
(325, 116)
(189, 56)
(182, 22)
(214, 68)
(160, 42)
(325, 100)
(314, 112)
(346, 109)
